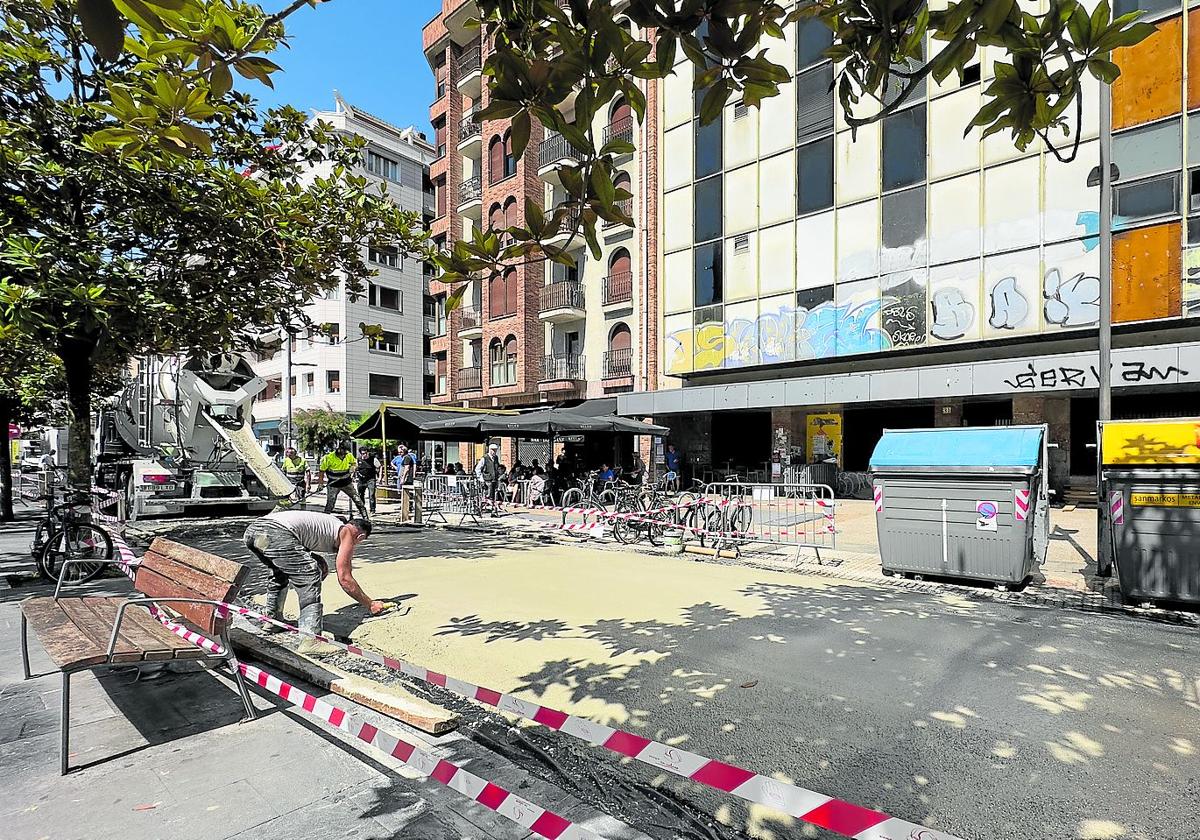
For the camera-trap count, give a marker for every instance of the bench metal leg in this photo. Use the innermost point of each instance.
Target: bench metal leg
(232, 661)
(65, 743)
(24, 646)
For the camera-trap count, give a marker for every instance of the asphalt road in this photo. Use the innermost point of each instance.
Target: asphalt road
(987, 720)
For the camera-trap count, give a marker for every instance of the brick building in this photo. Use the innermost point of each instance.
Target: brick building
(538, 334)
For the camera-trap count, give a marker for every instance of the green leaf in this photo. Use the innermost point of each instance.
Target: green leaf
(520, 133)
(222, 79)
(714, 100)
(103, 26)
(455, 298)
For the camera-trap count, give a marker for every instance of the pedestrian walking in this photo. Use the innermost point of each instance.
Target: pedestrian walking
(366, 474)
(488, 473)
(296, 470)
(293, 545)
(405, 466)
(337, 476)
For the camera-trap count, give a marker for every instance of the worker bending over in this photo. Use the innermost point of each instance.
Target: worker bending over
(291, 543)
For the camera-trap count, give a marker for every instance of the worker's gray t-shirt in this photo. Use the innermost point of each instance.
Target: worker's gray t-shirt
(315, 531)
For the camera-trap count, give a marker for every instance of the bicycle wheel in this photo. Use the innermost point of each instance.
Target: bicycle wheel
(77, 541)
(624, 530)
(572, 498)
(740, 519)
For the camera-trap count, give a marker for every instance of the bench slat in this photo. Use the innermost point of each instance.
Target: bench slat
(152, 643)
(90, 626)
(155, 585)
(66, 645)
(208, 586)
(229, 571)
(176, 647)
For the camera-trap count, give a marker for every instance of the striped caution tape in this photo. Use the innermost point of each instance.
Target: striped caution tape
(823, 811)
(540, 821)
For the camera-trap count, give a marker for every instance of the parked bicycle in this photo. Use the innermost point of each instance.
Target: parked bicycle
(67, 534)
(651, 511)
(590, 492)
(718, 519)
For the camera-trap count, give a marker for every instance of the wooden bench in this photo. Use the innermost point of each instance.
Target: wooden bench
(82, 633)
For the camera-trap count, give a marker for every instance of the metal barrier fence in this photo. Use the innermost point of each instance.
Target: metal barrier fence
(790, 514)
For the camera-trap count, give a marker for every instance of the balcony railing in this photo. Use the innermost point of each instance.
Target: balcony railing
(555, 148)
(563, 294)
(470, 190)
(469, 318)
(470, 378)
(468, 127)
(468, 61)
(618, 287)
(562, 366)
(618, 363)
(622, 129)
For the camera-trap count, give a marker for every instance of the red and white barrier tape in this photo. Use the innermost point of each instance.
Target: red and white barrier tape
(823, 811)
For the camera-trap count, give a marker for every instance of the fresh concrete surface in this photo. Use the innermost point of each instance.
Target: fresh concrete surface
(984, 719)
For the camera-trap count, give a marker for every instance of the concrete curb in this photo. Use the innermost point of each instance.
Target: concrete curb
(390, 700)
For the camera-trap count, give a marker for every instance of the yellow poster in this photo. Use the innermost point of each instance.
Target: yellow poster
(824, 437)
(1151, 442)
(1171, 500)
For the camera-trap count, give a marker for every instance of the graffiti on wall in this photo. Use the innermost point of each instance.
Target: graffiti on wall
(1008, 306)
(1045, 376)
(1073, 302)
(904, 313)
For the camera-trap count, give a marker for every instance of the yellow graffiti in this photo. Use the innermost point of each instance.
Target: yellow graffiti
(710, 346)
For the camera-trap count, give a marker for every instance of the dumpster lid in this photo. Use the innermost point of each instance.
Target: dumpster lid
(1164, 443)
(1001, 446)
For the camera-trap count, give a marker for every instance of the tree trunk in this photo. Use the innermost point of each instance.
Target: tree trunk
(6, 486)
(76, 355)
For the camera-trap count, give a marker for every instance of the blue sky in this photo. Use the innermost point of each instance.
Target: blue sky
(370, 50)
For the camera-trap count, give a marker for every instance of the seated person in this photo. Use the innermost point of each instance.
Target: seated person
(603, 476)
(539, 488)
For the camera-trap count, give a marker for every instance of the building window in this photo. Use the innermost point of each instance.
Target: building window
(1149, 150)
(620, 338)
(383, 297)
(387, 341)
(708, 209)
(310, 383)
(502, 294)
(814, 103)
(495, 159)
(510, 160)
(382, 166)
(332, 333)
(709, 286)
(708, 148)
(904, 218)
(813, 38)
(440, 197)
(904, 148)
(333, 294)
(1148, 199)
(814, 176)
(511, 215)
(502, 360)
(384, 255)
(274, 388)
(333, 382)
(292, 385)
(439, 132)
(382, 385)
(1152, 8)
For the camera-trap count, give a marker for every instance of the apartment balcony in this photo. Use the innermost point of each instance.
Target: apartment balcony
(554, 152)
(430, 366)
(618, 364)
(618, 288)
(564, 232)
(470, 322)
(562, 372)
(470, 72)
(470, 198)
(562, 301)
(470, 379)
(621, 130)
(470, 136)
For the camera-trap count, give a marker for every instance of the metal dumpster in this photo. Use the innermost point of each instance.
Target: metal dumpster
(962, 502)
(1150, 511)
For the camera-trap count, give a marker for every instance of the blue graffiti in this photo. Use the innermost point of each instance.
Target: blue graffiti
(1089, 220)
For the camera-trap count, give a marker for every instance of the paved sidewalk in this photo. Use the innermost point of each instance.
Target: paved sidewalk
(169, 758)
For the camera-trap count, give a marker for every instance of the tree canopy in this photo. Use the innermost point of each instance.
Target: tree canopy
(560, 63)
(187, 222)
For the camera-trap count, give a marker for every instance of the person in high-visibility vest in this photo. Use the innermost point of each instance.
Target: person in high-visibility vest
(337, 475)
(296, 469)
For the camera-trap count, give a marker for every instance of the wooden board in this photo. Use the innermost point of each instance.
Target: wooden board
(152, 639)
(90, 625)
(67, 647)
(209, 586)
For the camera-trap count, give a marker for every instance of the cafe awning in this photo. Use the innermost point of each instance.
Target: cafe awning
(400, 421)
(544, 423)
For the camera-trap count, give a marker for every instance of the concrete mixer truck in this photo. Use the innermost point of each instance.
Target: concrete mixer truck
(179, 438)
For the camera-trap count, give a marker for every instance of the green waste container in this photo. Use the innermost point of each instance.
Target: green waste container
(1150, 507)
(962, 502)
